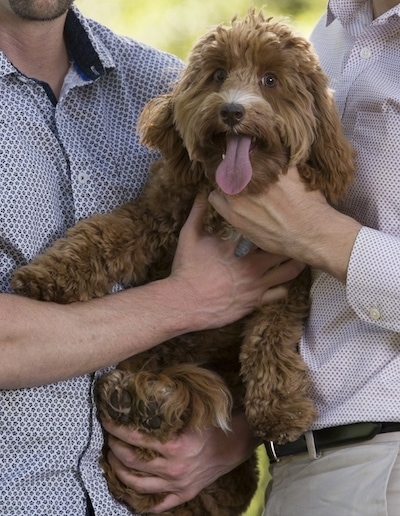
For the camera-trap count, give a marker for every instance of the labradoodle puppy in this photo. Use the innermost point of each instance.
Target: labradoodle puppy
(251, 102)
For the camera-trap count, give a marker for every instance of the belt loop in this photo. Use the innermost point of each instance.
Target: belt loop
(311, 448)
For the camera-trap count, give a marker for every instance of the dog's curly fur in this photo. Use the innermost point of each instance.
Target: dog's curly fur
(252, 78)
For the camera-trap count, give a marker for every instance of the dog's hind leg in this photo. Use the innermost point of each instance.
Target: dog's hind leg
(160, 405)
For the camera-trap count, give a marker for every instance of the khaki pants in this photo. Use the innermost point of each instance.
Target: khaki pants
(355, 480)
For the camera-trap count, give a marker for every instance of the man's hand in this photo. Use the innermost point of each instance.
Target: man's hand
(221, 287)
(186, 465)
(290, 219)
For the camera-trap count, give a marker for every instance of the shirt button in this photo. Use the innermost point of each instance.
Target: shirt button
(83, 178)
(374, 313)
(365, 53)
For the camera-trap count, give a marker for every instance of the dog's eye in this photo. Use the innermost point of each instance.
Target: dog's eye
(219, 75)
(269, 80)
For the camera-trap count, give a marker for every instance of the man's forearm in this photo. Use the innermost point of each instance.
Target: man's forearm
(42, 342)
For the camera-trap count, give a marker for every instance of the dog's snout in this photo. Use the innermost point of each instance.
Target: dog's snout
(232, 113)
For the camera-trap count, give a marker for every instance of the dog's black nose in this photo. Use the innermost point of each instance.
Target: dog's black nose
(232, 113)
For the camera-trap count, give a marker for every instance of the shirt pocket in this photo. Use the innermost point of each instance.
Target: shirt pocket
(373, 199)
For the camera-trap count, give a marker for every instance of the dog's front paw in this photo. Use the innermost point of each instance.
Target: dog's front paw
(60, 277)
(37, 282)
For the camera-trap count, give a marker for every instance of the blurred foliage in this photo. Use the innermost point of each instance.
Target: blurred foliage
(173, 25)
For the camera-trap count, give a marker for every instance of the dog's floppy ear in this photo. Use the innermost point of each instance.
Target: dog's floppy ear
(157, 130)
(156, 126)
(331, 154)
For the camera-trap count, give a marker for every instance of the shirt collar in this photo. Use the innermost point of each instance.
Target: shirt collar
(348, 10)
(87, 51)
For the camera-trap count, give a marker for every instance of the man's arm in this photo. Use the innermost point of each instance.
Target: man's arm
(43, 342)
(290, 219)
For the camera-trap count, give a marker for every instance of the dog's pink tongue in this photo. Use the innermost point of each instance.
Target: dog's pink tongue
(234, 172)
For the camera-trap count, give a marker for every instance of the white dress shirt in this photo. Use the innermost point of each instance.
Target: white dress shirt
(351, 341)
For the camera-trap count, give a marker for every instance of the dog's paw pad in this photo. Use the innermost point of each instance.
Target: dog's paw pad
(150, 416)
(120, 405)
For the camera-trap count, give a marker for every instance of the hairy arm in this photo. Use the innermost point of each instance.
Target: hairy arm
(43, 342)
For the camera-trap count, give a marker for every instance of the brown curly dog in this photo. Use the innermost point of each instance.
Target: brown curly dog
(251, 102)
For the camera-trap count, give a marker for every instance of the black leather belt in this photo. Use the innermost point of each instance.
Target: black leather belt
(330, 438)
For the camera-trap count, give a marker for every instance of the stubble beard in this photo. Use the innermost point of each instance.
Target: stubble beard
(40, 10)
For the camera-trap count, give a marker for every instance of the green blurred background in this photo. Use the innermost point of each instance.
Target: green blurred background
(173, 26)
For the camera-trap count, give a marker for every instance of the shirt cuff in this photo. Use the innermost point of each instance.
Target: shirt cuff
(373, 278)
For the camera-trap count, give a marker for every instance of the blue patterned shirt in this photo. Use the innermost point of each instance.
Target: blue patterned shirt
(61, 162)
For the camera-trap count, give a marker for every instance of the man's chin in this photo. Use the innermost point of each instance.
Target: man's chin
(40, 10)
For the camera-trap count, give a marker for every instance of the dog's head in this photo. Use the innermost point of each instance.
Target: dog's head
(251, 102)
